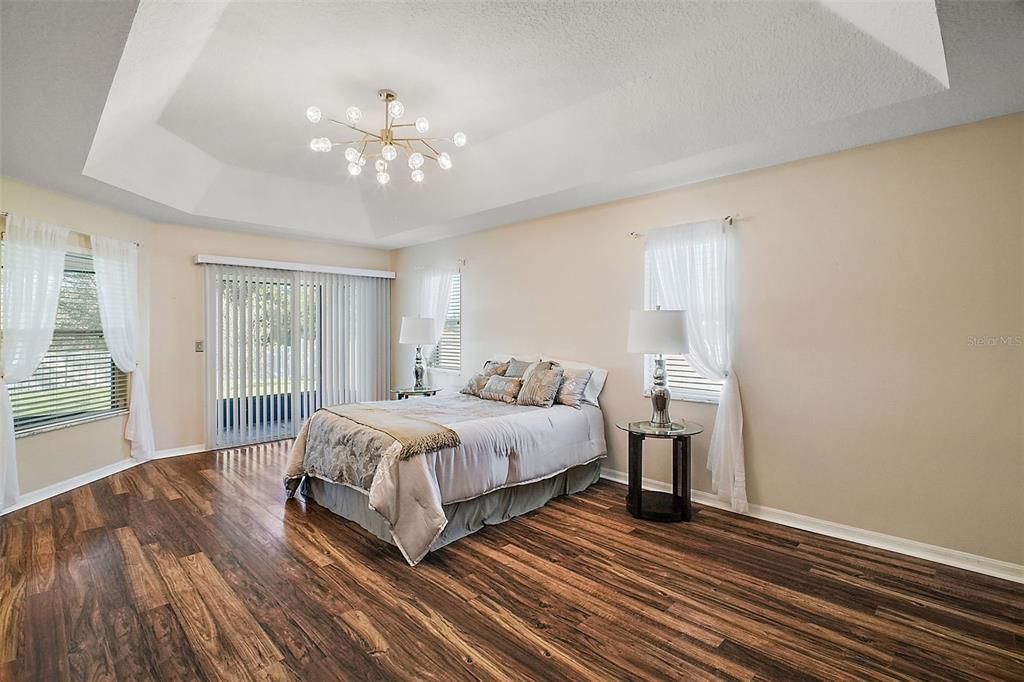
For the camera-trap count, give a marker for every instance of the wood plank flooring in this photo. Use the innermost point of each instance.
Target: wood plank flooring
(196, 568)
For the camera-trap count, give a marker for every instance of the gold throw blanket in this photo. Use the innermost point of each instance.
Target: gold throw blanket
(415, 436)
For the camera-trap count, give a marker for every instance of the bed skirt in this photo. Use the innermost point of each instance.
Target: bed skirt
(464, 518)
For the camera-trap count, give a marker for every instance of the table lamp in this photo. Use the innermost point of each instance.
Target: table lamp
(657, 332)
(418, 331)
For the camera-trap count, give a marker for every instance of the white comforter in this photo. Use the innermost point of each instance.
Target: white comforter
(501, 445)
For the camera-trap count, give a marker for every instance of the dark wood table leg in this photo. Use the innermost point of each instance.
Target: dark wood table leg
(681, 476)
(634, 497)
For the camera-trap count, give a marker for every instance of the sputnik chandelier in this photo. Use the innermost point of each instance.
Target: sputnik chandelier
(384, 146)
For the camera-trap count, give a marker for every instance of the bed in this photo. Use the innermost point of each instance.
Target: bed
(500, 460)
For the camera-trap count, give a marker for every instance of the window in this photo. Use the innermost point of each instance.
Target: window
(448, 353)
(683, 380)
(76, 380)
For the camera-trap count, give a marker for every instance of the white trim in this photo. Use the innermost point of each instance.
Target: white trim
(70, 484)
(205, 259)
(95, 475)
(178, 452)
(942, 555)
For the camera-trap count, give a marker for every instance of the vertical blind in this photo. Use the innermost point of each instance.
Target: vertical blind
(282, 344)
(447, 354)
(683, 380)
(76, 380)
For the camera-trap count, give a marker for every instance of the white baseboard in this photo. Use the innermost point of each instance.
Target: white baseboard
(177, 452)
(69, 484)
(95, 475)
(921, 550)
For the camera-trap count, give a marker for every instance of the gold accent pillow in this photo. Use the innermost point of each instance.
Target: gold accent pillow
(540, 388)
(503, 389)
(574, 385)
(475, 384)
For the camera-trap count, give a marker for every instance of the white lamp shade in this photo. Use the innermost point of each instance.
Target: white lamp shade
(418, 331)
(657, 331)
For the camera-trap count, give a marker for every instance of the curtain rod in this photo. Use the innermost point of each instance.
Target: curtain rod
(5, 214)
(728, 220)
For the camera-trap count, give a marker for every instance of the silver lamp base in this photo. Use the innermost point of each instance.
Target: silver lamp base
(418, 369)
(660, 395)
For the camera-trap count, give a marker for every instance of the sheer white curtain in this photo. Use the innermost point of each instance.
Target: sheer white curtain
(33, 267)
(117, 288)
(435, 289)
(694, 270)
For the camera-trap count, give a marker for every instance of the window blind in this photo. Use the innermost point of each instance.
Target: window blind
(281, 344)
(447, 354)
(683, 380)
(76, 380)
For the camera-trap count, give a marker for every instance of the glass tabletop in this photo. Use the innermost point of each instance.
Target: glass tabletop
(676, 429)
(425, 389)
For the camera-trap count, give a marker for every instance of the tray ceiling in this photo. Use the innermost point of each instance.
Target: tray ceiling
(565, 105)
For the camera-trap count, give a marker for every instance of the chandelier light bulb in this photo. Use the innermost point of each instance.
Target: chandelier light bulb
(352, 154)
(383, 178)
(416, 175)
(415, 160)
(389, 152)
(459, 139)
(354, 169)
(422, 124)
(444, 161)
(320, 144)
(353, 115)
(397, 109)
(314, 114)
(381, 166)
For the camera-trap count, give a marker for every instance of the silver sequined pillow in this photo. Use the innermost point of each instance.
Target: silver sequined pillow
(503, 389)
(540, 388)
(493, 367)
(517, 368)
(537, 366)
(574, 384)
(475, 384)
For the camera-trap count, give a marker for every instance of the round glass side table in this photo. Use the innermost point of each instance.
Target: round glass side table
(653, 505)
(403, 393)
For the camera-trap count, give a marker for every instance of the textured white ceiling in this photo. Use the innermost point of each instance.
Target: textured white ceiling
(565, 104)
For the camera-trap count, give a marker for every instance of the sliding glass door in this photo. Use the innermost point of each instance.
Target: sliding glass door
(281, 344)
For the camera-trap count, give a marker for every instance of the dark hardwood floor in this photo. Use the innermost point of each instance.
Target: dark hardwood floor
(196, 568)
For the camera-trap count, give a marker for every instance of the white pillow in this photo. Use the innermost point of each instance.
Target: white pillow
(597, 379)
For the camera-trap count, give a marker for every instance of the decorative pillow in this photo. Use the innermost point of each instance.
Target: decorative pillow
(475, 384)
(540, 388)
(503, 389)
(574, 386)
(597, 380)
(493, 367)
(517, 368)
(536, 366)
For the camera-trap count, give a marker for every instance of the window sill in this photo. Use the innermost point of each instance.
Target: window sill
(440, 370)
(46, 428)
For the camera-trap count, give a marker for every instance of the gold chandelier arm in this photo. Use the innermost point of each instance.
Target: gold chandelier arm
(429, 146)
(358, 130)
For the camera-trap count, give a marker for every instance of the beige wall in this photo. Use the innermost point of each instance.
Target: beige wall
(171, 287)
(863, 277)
